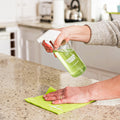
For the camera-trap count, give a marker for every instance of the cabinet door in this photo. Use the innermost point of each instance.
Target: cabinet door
(14, 40)
(33, 51)
(30, 48)
(50, 60)
(102, 57)
(5, 43)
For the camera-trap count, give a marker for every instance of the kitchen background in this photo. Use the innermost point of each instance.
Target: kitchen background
(20, 27)
(14, 10)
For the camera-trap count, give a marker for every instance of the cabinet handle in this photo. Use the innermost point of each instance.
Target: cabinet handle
(12, 44)
(12, 35)
(12, 52)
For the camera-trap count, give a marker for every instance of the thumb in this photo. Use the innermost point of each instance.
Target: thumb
(59, 40)
(64, 41)
(62, 101)
(67, 39)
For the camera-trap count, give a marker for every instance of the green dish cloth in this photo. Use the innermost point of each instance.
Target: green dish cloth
(58, 109)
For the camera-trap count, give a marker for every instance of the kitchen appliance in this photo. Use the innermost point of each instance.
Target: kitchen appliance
(45, 11)
(58, 12)
(73, 13)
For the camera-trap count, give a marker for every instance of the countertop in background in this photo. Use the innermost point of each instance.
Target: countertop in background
(8, 24)
(36, 24)
(21, 79)
(47, 25)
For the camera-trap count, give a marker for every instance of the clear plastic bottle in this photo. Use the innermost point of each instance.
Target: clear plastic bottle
(70, 60)
(64, 53)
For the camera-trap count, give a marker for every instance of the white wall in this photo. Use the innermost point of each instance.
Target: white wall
(13, 10)
(7, 10)
(97, 7)
(111, 4)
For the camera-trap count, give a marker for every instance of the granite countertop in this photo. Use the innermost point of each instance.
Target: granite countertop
(8, 24)
(21, 79)
(45, 25)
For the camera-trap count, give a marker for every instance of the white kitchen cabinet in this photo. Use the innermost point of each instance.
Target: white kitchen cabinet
(8, 41)
(30, 48)
(5, 43)
(50, 60)
(14, 40)
(101, 57)
(98, 74)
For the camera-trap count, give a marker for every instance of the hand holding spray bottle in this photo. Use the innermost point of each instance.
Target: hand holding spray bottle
(64, 53)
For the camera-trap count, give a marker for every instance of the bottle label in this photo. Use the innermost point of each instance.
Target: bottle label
(71, 58)
(71, 61)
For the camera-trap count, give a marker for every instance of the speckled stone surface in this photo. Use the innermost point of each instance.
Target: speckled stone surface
(21, 79)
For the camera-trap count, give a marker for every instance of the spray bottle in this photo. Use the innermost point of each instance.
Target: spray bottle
(65, 53)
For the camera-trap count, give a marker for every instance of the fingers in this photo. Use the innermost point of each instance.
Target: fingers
(52, 98)
(62, 101)
(47, 47)
(58, 92)
(54, 95)
(57, 43)
(56, 100)
(59, 40)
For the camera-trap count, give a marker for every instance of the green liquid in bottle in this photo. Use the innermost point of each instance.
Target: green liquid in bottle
(71, 61)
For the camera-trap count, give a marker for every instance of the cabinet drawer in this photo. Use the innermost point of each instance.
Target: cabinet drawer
(5, 43)
(5, 46)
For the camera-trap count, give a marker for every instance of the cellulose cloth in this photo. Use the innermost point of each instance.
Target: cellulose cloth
(58, 109)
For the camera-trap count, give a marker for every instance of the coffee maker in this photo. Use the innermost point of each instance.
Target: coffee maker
(45, 11)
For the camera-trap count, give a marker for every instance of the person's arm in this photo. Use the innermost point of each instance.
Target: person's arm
(103, 90)
(107, 89)
(105, 33)
(75, 32)
(98, 33)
